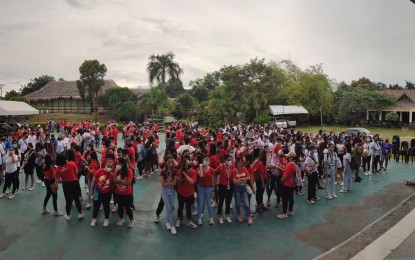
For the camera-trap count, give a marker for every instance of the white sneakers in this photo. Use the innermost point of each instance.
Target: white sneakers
(214, 205)
(228, 219)
(43, 184)
(168, 226)
(211, 222)
(88, 205)
(157, 219)
(38, 181)
(57, 214)
(329, 197)
(120, 222)
(106, 222)
(334, 196)
(191, 224)
(199, 222)
(220, 220)
(80, 216)
(178, 222)
(30, 189)
(67, 218)
(173, 230)
(114, 208)
(45, 211)
(132, 223)
(2, 195)
(93, 222)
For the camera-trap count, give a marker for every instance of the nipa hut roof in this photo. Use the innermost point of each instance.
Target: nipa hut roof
(63, 89)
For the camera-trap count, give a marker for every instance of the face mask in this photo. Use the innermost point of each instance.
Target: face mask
(14, 145)
(228, 163)
(232, 155)
(205, 163)
(211, 139)
(118, 167)
(368, 140)
(108, 169)
(47, 141)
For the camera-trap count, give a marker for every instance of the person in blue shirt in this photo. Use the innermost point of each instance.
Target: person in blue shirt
(386, 154)
(8, 143)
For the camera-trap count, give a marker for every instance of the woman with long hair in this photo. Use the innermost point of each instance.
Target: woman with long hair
(92, 168)
(185, 191)
(168, 180)
(122, 181)
(261, 176)
(10, 160)
(29, 166)
(240, 176)
(67, 174)
(288, 186)
(40, 160)
(18, 164)
(206, 183)
(49, 170)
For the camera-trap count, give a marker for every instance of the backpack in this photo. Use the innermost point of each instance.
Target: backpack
(353, 164)
(297, 178)
(143, 152)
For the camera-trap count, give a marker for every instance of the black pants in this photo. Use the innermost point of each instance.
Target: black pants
(140, 167)
(182, 201)
(271, 185)
(16, 178)
(366, 163)
(287, 199)
(226, 195)
(279, 192)
(10, 179)
(49, 193)
(104, 199)
(70, 191)
(376, 161)
(312, 185)
(39, 172)
(160, 207)
(300, 188)
(259, 192)
(124, 202)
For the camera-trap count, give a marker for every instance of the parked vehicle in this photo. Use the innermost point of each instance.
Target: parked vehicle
(356, 131)
(280, 122)
(6, 129)
(291, 122)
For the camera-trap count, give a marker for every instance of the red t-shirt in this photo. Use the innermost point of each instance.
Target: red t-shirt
(131, 152)
(225, 174)
(283, 162)
(124, 189)
(94, 165)
(214, 161)
(49, 174)
(290, 171)
(103, 180)
(185, 188)
(262, 169)
(67, 172)
(239, 174)
(206, 180)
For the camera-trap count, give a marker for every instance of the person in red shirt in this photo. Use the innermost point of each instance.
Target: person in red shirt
(67, 174)
(261, 176)
(101, 186)
(49, 171)
(92, 168)
(206, 183)
(225, 187)
(123, 189)
(240, 176)
(185, 191)
(288, 186)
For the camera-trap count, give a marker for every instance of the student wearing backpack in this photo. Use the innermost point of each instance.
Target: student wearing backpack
(310, 167)
(288, 186)
(330, 170)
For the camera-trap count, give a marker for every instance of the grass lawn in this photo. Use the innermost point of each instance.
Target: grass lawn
(405, 135)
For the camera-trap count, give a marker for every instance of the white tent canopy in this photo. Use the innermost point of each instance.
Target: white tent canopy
(287, 110)
(15, 108)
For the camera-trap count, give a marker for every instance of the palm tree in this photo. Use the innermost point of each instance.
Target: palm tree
(161, 66)
(258, 99)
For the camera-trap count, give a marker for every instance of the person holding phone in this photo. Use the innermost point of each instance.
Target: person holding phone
(10, 161)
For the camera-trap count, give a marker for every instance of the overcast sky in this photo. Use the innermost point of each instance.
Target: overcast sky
(353, 38)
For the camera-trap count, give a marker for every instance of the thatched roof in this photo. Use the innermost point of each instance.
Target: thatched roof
(398, 93)
(63, 89)
(140, 91)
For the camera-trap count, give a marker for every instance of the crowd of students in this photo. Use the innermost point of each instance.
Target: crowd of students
(205, 169)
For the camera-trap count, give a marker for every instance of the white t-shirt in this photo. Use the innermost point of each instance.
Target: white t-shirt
(311, 164)
(184, 147)
(10, 165)
(347, 157)
(60, 146)
(23, 145)
(32, 139)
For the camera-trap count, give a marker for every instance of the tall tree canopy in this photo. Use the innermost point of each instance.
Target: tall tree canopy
(91, 81)
(160, 67)
(35, 84)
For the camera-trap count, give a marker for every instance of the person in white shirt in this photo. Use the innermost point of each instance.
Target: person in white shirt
(375, 149)
(2, 154)
(310, 167)
(10, 160)
(23, 144)
(32, 139)
(60, 146)
(330, 171)
(347, 172)
(185, 146)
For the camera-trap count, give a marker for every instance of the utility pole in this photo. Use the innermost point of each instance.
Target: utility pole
(1, 90)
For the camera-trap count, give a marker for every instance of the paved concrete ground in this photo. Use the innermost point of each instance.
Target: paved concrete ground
(314, 229)
(406, 250)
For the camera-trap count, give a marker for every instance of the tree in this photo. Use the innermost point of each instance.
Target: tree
(174, 88)
(91, 81)
(19, 98)
(35, 84)
(161, 66)
(257, 100)
(127, 111)
(184, 106)
(355, 103)
(115, 97)
(10, 94)
(409, 85)
(221, 104)
(156, 101)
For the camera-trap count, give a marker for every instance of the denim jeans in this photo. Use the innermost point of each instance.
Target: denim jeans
(167, 193)
(347, 180)
(240, 192)
(203, 197)
(331, 176)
